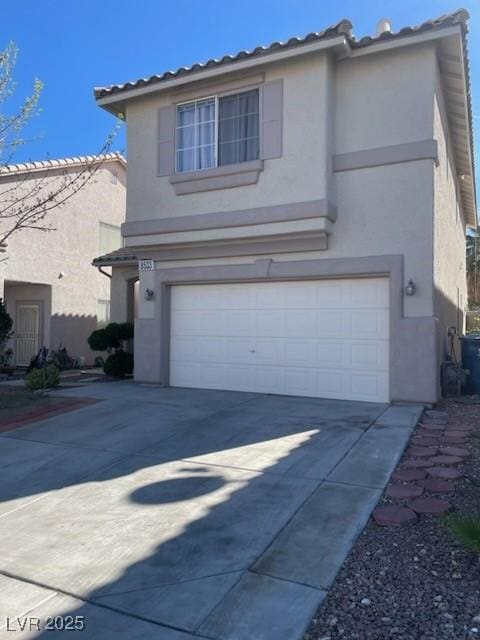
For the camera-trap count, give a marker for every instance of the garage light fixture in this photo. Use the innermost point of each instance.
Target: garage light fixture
(410, 288)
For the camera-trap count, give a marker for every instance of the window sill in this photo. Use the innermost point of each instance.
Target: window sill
(226, 177)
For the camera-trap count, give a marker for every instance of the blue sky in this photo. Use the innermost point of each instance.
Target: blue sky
(73, 45)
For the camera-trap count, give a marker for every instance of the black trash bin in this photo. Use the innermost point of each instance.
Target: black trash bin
(471, 362)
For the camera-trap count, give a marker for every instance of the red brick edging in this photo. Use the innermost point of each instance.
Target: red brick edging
(42, 413)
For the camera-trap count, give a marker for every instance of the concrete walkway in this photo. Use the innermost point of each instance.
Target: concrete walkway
(180, 514)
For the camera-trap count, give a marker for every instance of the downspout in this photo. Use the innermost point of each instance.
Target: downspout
(109, 275)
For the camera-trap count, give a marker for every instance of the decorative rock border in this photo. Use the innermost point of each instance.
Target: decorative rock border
(391, 515)
(428, 468)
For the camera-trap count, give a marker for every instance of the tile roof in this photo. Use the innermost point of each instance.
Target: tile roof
(456, 82)
(124, 255)
(344, 27)
(45, 165)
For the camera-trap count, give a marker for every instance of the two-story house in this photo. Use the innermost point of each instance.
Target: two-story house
(53, 294)
(296, 214)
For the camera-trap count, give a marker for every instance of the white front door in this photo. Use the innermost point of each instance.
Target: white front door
(322, 338)
(27, 332)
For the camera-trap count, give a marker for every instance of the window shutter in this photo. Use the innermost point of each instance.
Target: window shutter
(166, 141)
(271, 114)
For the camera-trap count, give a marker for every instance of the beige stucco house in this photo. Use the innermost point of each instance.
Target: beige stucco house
(53, 293)
(299, 214)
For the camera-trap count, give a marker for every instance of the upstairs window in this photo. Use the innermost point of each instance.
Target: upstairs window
(217, 131)
(103, 313)
(109, 238)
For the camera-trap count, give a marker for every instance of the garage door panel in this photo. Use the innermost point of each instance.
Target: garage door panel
(269, 352)
(238, 323)
(332, 323)
(268, 323)
(329, 353)
(369, 355)
(300, 382)
(237, 378)
(313, 338)
(300, 353)
(300, 323)
(367, 293)
(367, 385)
(238, 350)
(191, 350)
(268, 379)
(330, 384)
(370, 324)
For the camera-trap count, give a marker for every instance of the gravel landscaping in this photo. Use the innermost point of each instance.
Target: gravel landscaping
(413, 581)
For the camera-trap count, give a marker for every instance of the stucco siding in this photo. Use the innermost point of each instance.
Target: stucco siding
(299, 175)
(61, 258)
(450, 287)
(385, 99)
(384, 210)
(388, 210)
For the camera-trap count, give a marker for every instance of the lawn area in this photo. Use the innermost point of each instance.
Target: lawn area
(18, 398)
(19, 406)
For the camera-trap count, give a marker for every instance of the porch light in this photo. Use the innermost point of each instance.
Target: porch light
(149, 295)
(410, 288)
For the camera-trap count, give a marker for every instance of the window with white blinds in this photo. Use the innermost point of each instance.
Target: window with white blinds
(109, 238)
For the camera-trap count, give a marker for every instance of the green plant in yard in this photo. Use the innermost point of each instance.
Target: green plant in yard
(466, 530)
(113, 338)
(61, 359)
(6, 324)
(44, 378)
(119, 364)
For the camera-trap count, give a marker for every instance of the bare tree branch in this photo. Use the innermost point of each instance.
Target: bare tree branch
(27, 202)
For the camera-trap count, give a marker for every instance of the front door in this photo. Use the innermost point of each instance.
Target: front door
(27, 332)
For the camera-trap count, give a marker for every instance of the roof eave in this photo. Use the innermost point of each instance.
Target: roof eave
(105, 261)
(58, 165)
(115, 102)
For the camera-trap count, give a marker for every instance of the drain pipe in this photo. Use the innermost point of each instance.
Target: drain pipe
(109, 275)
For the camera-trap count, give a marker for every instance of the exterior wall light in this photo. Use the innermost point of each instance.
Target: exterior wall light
(149, 295)
(410, 288)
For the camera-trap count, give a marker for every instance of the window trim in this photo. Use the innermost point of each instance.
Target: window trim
(217, 98)
(215, 136)
(224, 177)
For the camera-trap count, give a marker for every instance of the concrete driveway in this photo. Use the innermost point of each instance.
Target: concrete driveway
(177, 513)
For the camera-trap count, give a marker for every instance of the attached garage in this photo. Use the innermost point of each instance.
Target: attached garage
(323, 338)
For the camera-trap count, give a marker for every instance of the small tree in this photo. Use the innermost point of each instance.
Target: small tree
(112, 339)
(6, 324)
(26, 203)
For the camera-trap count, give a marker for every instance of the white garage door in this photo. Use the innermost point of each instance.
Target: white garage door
(323, 338)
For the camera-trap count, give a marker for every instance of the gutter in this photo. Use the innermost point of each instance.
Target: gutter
(109, 275)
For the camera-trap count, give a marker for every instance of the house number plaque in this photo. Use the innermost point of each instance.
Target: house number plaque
(145, 265)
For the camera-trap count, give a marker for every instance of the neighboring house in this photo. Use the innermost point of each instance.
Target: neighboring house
(53, 293)
(284, 198)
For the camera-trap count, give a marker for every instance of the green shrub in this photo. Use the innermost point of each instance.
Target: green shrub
(466, 530)
(61, 359)
(99, 362)
(110, 337)
(119, 364)
(98, 341)
(43, 378)
(6, 324)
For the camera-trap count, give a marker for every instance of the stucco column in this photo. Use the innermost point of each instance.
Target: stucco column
(118, 296)
(148, 343)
